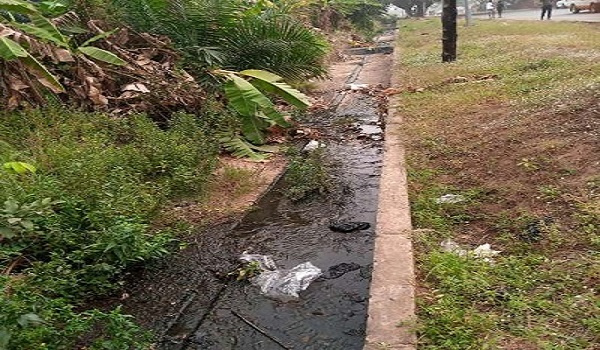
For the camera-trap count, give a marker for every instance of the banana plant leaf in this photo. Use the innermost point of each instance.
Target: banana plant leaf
(269, 82)
(17, 6)
(242, 149)
(247, 100)
(10, 50)
(252, 129)
(43, 75)
(101, 55)
(43, 29)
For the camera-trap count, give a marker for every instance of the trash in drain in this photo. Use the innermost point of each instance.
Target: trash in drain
(346, 227)
(281, 284)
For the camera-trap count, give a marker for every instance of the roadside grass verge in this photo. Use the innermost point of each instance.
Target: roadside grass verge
(514, 128)
(70, 229)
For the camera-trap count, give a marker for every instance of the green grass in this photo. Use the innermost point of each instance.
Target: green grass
(532, 63)
(534, 294)
(106, 179)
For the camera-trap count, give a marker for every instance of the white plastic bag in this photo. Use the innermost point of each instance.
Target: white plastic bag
(281, 283)
(450, 199)
(484, 251)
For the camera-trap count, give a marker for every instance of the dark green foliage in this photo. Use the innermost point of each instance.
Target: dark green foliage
(230, 34)
(30, 320)
(277, 45)
(72, 227)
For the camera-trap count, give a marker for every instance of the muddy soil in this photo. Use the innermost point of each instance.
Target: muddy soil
(192, 303)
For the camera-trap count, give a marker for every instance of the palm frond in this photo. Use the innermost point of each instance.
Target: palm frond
(279, 45)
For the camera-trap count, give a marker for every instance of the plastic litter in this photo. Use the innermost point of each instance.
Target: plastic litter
(450, 198)
(281, 284)
(358, 86)
(483, 251)
(264, 261)
(313, 145)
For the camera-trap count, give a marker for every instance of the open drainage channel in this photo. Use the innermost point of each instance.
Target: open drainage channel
(215, 313)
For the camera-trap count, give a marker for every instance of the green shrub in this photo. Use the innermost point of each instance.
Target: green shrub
(30, 320)
(73, 226)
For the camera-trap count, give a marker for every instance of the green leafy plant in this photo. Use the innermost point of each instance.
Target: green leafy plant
(54, 8)
(44, 33)
(307, 175)
(112, 176)
(18, 219)
(230, 34)
(244, 149)
(247, 94)
(248, 98)
(20, 167)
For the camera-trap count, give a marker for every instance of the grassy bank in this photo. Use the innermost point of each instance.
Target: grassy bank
(70, 228)
(514, 128)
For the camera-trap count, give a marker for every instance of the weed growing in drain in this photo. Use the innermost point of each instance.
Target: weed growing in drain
(247, 271)
(307, 174)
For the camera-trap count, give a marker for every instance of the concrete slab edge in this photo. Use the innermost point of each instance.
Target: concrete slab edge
(391, 311)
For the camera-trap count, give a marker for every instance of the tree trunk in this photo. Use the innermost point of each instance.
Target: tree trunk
(421, 8)
(449, 31)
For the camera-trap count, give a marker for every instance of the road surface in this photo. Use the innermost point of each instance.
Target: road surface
(557, 15)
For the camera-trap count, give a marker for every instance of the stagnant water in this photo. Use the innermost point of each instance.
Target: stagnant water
(332, 312)
(192, 303)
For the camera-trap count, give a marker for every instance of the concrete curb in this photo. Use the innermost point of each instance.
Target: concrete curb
(392, 302)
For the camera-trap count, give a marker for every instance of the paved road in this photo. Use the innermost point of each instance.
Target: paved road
(557, 15)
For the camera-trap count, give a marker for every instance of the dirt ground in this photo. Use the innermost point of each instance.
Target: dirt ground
(527, 168)
(510, 156)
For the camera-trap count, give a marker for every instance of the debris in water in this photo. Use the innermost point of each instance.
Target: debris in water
(339, 270)
(483, 251)
(370, 129)
(358, 86)
(281, 284)
(265, 261)
(313, 145)
(450, 199)
(260, 330)
(349, 226)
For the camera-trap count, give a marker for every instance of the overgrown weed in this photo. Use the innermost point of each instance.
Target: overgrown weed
(307, 174)
(71, 229)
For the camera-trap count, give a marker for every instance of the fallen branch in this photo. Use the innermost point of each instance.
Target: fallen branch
(261, 331)
(12, 265)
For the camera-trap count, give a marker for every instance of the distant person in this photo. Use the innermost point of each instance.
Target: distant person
(491, 9)
(546, 9)
(500, 8)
